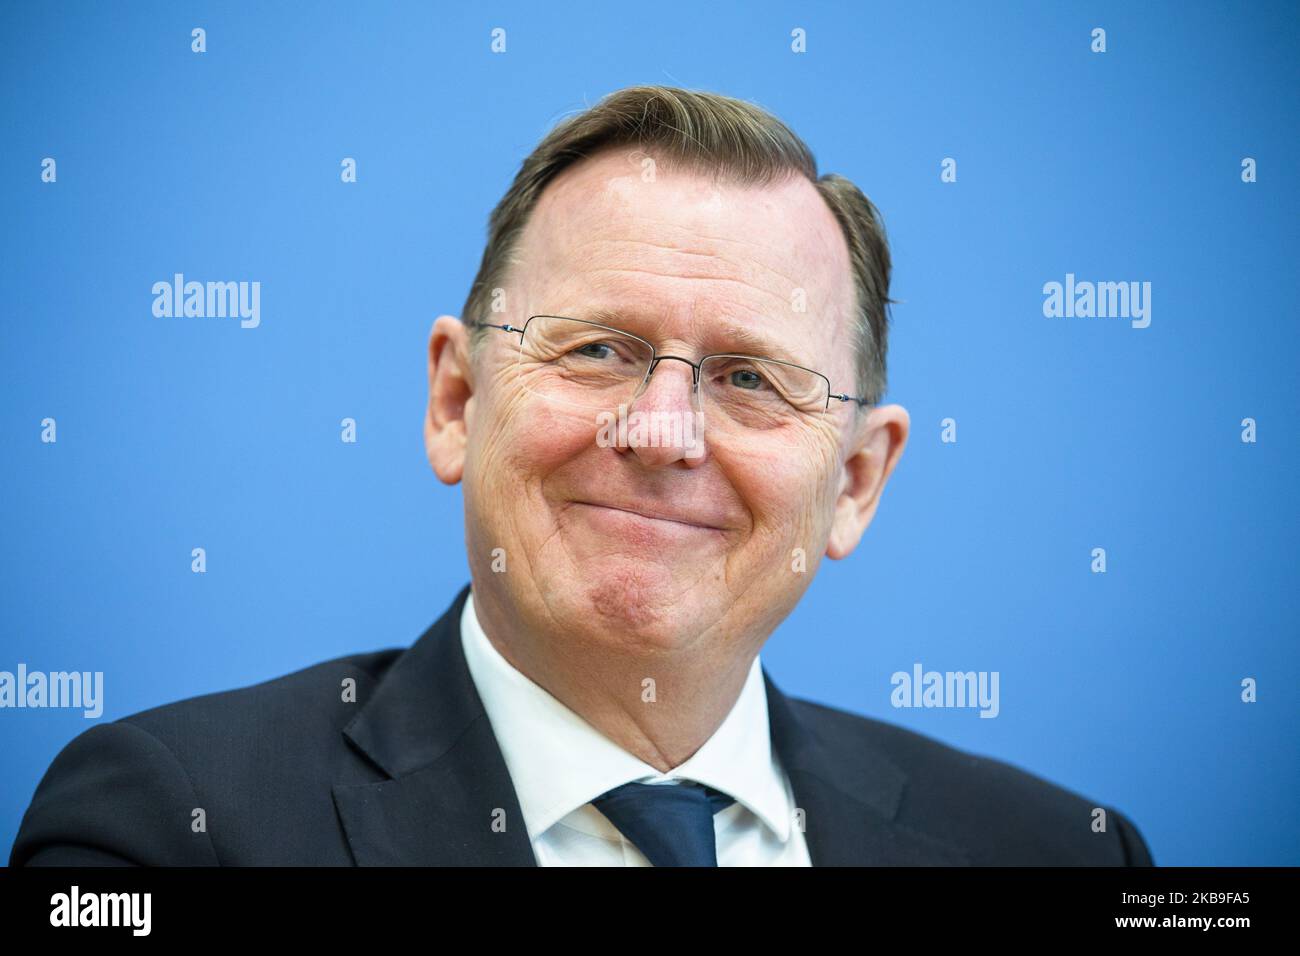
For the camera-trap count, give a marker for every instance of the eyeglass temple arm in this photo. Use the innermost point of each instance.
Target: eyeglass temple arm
(490, 325)
(862, 402)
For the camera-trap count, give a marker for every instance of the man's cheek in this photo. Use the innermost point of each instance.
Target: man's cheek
(544, 435)
(529, 446)
(784, 509)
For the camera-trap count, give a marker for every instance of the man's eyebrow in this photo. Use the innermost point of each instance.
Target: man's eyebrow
(748, 341)
(604, 317)
(729, 338)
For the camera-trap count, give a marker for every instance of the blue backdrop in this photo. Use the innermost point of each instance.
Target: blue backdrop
(1072, 433)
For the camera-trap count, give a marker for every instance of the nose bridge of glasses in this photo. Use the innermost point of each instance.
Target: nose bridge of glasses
(646, 383)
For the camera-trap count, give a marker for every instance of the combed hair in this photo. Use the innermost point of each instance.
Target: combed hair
(712, 134)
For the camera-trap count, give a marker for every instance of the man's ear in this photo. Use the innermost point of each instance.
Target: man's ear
(450, 389)
(877, 445)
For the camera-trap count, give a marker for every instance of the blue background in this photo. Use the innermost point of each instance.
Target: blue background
(1073, 433)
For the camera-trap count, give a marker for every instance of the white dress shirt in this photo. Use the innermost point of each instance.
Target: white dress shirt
(559, 763)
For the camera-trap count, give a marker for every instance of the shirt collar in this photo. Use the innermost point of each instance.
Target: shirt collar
(537, 733)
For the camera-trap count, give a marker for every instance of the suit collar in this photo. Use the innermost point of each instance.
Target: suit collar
(423, 704)
(448, 798)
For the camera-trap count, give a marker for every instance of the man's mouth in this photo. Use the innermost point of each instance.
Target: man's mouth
(666, 516)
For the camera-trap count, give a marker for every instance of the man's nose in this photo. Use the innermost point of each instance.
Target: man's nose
(664, 426)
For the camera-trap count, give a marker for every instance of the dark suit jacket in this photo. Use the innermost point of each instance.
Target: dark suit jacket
(288, 772)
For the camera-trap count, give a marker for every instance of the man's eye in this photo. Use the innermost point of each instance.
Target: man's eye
(596, 350)
(747, 378)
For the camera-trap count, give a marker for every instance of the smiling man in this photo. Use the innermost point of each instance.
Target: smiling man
(596, 696)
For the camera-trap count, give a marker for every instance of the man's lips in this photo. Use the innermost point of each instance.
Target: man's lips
(655, 514)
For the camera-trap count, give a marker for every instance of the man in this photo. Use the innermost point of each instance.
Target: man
(663, 407)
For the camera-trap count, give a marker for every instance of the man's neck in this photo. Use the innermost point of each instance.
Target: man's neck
(660, 707)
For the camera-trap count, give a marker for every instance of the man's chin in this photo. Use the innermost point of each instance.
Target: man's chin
(637, 601)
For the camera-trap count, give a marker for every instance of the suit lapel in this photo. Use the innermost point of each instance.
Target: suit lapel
(850, 793)
(448, 791)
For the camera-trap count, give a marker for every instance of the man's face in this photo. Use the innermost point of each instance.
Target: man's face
(661, 547)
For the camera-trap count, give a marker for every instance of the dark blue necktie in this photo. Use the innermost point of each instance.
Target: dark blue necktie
(672, 824)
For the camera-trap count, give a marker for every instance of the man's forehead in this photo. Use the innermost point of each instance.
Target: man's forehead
(775, 248)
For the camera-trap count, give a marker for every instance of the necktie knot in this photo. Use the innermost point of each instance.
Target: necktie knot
(672, 824)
